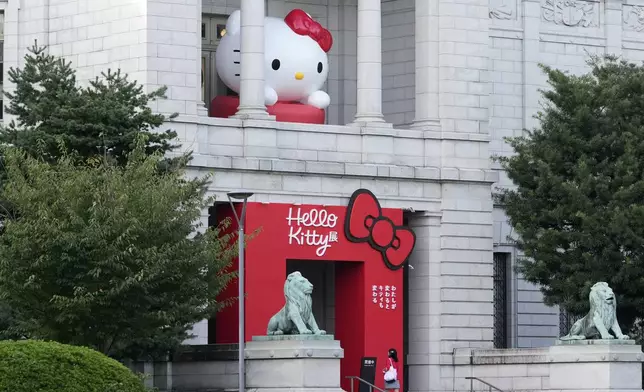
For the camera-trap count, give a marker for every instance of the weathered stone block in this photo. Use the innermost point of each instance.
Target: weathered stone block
(294, 363)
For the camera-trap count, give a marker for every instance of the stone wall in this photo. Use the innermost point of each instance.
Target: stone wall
(214, 367)
(398, 61)
(450, 289)
(96, 35)
(154, 41)
(508, 370)
(198, 368)
(581, 366)
(537, 324)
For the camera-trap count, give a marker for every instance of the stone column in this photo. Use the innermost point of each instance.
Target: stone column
(202, 107)
(427, 64)
(614, 27)
(531, 50)
(424, 293)
(251, 92)
(369, 111)
(12, 53)
(200, 329)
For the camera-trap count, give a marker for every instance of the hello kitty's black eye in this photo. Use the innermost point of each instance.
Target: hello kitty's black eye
(276, 64)
(320, 67)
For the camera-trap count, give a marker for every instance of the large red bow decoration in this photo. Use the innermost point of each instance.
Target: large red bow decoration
(364, 223)
(302, 24)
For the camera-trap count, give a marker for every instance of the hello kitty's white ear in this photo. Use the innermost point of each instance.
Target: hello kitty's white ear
(233, 24)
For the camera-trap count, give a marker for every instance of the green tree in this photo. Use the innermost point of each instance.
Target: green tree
(104, 118)
(578, 204)
(101, 255)
(6, 323)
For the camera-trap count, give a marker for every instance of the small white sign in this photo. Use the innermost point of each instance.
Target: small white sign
(384, 296)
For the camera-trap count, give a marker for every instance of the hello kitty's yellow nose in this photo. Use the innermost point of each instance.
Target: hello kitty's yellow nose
(299, 75)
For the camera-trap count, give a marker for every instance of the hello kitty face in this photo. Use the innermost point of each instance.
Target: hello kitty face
(295, 55)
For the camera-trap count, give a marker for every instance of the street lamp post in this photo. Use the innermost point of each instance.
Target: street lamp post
(243, 196)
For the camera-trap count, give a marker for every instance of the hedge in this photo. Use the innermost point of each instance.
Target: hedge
(37, 366)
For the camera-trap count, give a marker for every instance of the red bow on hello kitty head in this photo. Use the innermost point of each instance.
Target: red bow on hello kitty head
(302, 24)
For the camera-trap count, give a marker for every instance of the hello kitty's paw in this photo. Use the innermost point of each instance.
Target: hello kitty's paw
(270, 96)
(319, 99)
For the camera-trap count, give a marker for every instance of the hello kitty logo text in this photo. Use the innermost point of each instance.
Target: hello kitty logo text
(296, 64)
(308, 228)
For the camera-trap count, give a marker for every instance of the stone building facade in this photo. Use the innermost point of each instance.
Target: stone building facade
(422, 94)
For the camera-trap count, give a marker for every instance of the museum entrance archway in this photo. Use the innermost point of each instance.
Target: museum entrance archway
(353, 255)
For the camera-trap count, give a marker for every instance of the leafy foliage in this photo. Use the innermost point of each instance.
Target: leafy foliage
(6, 323)
(578, 205)
(104, 118)
(100, 254)
(28, 366)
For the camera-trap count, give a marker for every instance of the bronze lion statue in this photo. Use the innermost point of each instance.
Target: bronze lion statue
(296, 317)
(601, 319)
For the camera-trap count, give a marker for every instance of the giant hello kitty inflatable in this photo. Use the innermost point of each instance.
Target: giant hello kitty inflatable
(295, 58)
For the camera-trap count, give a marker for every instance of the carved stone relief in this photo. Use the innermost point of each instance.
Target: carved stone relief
(571, 13)
(503, 9)
(633, 16)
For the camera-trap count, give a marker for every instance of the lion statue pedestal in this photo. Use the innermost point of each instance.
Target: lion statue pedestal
(293, 362)
(595, 365)
(595, 355)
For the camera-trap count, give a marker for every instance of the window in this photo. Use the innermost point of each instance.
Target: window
(213, 27)
(500, 295)
(566, 320)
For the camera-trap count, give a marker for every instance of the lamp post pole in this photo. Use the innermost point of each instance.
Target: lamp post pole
(243, 196)
(242, 307)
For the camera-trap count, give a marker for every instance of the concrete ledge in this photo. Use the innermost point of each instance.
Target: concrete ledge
(206, 352)
(595, 342)
(466, 356)
(596, 351)
(269, 146)
(591, 351)
(391, 172)
(294, 347)
(592, 365)
(299, 338)
(337, 129)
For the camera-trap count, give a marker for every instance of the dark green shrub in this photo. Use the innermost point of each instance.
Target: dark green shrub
(37, 366)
